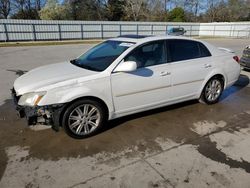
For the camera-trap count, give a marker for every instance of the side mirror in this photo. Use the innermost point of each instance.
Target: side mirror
(126, 66)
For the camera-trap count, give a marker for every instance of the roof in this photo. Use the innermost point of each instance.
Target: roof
(134, 36)
(147, 38)
(140, 40)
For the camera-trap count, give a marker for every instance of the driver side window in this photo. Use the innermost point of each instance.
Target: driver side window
(150, 54)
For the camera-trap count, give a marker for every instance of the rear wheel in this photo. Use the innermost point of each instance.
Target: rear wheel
(212, 91)
(83, 118)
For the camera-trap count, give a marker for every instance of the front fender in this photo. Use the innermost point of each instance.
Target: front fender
(66, 95)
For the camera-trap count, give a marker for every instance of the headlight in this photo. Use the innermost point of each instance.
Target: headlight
(31, 99)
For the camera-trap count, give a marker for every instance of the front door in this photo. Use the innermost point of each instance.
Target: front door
(149, 85)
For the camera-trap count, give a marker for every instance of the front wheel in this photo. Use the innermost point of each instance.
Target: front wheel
(83, 118)
(212, 91)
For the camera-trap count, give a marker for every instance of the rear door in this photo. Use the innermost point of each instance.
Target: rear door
(190, 62)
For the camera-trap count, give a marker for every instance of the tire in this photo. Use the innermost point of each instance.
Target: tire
(83, 118)
(212, 91)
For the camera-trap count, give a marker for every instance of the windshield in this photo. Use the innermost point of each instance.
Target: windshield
(102, 55)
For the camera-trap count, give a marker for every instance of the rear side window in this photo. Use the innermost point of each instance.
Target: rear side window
(181, 50)
(203, 50)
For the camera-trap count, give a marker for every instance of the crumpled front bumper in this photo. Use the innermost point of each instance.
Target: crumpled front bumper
(46, 115)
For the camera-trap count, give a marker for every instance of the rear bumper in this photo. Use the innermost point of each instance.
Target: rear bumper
(46, 115)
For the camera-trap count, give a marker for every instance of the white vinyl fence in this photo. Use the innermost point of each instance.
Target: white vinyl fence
(227, 29)
(38, 30)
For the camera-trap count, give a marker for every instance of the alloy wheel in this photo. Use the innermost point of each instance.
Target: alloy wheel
(84, 119)
(213, 90)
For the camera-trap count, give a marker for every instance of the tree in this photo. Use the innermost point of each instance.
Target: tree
(135, 9)
(156, 10)
(26, 9)
(176, 15)
(30, 14)
(192, 9)
(5, 8)
(54, 11)
(86, 10)
(115, 10)
(212, 10)
(38, 4)
(238, 10)
(129, 10)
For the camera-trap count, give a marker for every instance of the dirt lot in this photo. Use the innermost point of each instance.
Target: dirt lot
(184, 145)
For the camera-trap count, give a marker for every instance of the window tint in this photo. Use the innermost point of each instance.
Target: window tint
(149, 54)
(183, 50)
(204, 51)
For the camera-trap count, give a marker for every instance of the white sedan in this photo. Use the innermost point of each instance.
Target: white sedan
(122, 76)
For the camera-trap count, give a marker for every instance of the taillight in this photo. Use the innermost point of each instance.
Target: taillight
(237, 59)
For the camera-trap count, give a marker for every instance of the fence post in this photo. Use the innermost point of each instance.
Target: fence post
(137, 29)
(152, 29)
(102, 35)
(120, 29)
(214, 30)
(6, 32)
(59, 30)
(191, 29)
(34, 31)
(230, 35)
(82, 35)
(232, 32)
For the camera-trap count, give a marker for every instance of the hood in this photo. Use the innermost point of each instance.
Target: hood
(48, 75)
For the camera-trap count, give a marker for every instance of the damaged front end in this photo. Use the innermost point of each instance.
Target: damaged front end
(45, 115)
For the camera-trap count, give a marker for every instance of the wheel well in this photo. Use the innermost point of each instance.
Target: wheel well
(104, 105)
(221, 77)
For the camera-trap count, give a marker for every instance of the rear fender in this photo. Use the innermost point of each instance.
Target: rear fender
(212, 74)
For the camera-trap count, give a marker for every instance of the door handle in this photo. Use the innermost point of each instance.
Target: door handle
(163, 73)
(207, 65)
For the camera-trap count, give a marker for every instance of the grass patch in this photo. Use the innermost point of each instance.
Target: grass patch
(46, 43)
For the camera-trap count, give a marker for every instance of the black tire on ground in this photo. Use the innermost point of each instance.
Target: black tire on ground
(218, 87)
(72, 118)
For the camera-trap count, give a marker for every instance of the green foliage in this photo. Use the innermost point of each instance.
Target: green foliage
(26, 14)
(54, 11)
(115, 10)
(137, 10)
(85, 10)
(128, 10)
(176, 15)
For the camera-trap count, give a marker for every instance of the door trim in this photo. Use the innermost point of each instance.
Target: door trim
(189, 82)
(141, 91)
